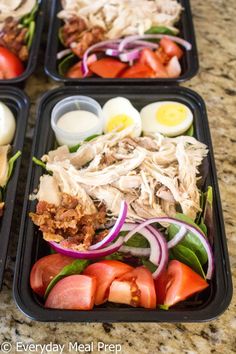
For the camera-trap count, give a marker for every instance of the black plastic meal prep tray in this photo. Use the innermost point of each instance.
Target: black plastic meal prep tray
(34, 49)
(31, 247)
(18, 103)
(189, 62)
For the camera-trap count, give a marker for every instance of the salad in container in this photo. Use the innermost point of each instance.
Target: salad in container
(122, 40)
(123, 211)
(18, 28)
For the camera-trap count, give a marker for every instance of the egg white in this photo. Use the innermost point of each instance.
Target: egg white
(7, 125)
(122, 106)
(150, 123)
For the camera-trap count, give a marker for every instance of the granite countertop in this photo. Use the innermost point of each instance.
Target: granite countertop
(215, 30)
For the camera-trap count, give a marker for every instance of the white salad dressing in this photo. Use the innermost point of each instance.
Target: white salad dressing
(77, 121)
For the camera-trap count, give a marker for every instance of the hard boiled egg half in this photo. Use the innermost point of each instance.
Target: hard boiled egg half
(7, 125)
(119, 114)
(169, 118)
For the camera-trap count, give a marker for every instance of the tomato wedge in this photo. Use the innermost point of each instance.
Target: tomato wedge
(138, 70)
(142, 277)
(75, 292)
(171, 48)
(125, 292)
(45, 269)
(10, 64)
(180, 283)
(173, 67)
(148, 57)
(107, 67)
(105, 272)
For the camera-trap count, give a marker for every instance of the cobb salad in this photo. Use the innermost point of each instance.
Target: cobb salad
(125, 211)
(7, 132)
(121, 39)
(17, 28)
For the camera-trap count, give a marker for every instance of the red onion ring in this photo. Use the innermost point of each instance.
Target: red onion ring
(178, 237)
(88, 254)
(178, 40)
(113, 233)
(155, 253)
(189, 227)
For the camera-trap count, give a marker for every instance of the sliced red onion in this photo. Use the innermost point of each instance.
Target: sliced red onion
(178, 237)
(164, 251)
(92, 48)
(112, 52)
(135, 38)
(136, 251)
(91, 59)
(130, 55)
(113, 233)
(88, 254)
(154, 244)
(63, 53)
(146, 44)
(190, 228)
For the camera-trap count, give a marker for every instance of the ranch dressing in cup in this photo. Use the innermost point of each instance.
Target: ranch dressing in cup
(76, 118)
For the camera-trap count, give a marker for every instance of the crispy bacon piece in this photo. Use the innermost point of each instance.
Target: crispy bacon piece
(12, 37)
(68, 224)
(75, 34)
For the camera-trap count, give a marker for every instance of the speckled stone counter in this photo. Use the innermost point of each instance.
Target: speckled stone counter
(215, 30)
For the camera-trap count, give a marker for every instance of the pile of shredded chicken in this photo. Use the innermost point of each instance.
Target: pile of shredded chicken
(88, 22)
(155, 175)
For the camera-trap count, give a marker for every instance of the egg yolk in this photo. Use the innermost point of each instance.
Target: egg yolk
(171, 114)
(119, 123)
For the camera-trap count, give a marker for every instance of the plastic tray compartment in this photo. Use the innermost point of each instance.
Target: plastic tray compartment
(32, 246)
(33, 54)
(189, 63)
(18, 103)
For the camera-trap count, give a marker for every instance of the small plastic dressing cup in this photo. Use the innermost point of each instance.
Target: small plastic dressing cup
(76, 103)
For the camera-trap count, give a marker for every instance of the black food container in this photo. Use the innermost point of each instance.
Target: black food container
(189, 62)
(18, 103)
(34, 49)
(212, 302)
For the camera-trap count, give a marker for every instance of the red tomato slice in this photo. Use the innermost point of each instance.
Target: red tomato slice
(145, 283)
(124, 292)
(75, 72)
(138, 70)
(107, 67)
(149, 58)
(45, 269)
(171, 48)
(10, 64)
(75, 292)
(181, 283)
(105, 272)
(173, 67)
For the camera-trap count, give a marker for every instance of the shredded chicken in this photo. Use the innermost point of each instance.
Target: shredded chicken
(122, 18)
(155, 175)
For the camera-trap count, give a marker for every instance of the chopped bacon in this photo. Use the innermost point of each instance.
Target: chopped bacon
(68, 224)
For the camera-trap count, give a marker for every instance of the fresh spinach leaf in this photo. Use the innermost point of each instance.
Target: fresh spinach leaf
(11, 164)
(190, 131)
(149, 265)
(161, 30)
(190, 241)
(41, 164)
(66, 64)
(89, 138)
(76, 267)
(137, 240)
(188, 257)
